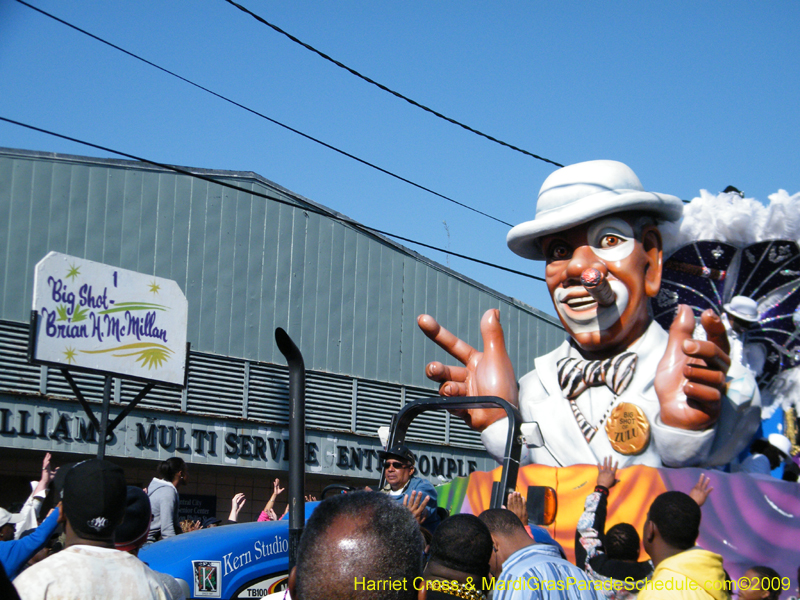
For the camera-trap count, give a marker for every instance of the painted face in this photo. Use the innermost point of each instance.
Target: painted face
(397, 473)
(633, 270)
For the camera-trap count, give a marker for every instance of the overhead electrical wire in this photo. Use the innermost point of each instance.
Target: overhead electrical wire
(310, 209)
(263, 116)
(387, 89)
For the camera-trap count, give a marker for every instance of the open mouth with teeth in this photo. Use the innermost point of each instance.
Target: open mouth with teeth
(581, 303)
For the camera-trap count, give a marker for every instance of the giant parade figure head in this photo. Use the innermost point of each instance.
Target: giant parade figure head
(620, 385)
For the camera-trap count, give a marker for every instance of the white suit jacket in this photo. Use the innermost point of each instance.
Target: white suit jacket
(541, 401)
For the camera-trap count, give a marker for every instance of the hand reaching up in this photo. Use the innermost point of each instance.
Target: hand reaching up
(237, 502)
(607, 473)
(516, 503)
(701, 489)
(416, 503)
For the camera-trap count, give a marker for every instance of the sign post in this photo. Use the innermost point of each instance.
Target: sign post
(97, 318)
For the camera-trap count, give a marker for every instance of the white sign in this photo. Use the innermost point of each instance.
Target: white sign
(94, 316)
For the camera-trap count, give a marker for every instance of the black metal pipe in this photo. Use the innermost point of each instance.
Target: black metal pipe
(297, 440)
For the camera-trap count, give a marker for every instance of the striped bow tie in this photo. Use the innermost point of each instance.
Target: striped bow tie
(575, 375)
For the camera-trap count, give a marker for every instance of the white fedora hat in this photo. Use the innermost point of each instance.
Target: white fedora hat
(582, 192)
(743, 308)
(781, 442)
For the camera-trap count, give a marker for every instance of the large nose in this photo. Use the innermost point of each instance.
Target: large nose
(583, 258)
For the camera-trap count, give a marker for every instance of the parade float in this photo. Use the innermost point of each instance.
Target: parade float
(683, 347)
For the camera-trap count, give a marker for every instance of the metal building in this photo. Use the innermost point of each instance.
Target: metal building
(247, 264)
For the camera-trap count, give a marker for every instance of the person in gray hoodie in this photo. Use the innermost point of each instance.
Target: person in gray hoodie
(164, 501)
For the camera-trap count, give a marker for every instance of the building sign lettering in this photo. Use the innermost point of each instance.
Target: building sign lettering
(102, 318)
(54, 426)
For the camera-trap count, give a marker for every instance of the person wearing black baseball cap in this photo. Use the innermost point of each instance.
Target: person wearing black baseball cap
(398, 470)
(89, 567)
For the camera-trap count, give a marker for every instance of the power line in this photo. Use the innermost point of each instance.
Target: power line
(310, 209)
(263, 116)
(387, 89)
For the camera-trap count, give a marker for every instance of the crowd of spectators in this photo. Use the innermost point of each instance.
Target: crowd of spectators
(396, 544)
(347, 551)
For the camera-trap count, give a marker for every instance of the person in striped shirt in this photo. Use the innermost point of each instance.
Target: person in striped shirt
(525, 570)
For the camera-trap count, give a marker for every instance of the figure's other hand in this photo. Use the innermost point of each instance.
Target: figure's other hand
(701, 489)
(516, 504)
(273, 516)
(416, 503)
(691, 377)
(487, 373)
(607, 473)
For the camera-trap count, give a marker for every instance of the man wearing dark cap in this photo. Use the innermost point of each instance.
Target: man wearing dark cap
(398, 469)
(459, 559)
(93, 502)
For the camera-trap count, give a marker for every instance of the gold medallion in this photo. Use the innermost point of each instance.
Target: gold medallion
(628, 429)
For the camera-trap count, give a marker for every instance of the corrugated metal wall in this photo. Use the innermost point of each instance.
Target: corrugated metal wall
(248, 265)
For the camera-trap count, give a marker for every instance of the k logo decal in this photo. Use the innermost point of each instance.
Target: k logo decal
(207, 582)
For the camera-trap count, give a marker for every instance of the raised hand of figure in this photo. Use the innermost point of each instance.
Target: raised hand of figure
(691, 377)
(276, 487)
(487, 373)
(310, 498)
(701, 490)
(416, 503)
(516, 504)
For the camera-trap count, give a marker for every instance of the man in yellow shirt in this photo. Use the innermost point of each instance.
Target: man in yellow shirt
(683, 571)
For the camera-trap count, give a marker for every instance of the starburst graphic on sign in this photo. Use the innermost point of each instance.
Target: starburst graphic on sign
(154, 287)
(73, 272)
(69, 355)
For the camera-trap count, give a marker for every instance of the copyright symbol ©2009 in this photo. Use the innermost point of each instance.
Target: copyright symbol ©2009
(743, 583)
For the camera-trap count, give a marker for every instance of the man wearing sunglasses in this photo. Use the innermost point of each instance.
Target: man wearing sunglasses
(399, 470)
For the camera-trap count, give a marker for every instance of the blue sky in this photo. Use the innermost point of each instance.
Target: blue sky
(692, 95)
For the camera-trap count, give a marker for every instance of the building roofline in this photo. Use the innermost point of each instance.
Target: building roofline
(255, 177)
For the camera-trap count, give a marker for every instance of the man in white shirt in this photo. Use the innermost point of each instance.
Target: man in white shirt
(90, 568)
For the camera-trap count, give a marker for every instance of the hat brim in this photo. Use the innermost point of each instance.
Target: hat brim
(382, 454)
(522, 238)
(781, 443)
